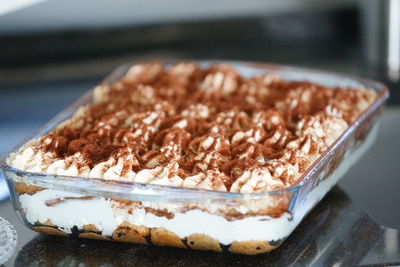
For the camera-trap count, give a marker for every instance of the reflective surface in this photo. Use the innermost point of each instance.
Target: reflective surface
(335, 232)
(8, 240)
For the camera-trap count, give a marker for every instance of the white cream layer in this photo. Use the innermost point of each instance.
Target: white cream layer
(102, 213)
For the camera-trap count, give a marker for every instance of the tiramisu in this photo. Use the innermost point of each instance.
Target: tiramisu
(189, 127)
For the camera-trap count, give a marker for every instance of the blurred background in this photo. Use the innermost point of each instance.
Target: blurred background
(51, 52)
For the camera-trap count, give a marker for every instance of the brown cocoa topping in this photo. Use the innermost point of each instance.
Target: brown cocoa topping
(203, 119)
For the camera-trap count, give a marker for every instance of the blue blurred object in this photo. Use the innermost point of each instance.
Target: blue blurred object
(3, 188)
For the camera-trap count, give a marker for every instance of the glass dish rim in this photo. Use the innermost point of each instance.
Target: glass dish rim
(382, 95)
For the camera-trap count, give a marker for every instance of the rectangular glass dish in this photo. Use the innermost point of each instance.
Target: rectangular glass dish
(250, 223)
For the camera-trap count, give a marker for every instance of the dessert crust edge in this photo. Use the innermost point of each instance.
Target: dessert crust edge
(159, 236)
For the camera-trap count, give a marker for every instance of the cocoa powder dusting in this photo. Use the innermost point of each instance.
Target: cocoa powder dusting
(203, 119)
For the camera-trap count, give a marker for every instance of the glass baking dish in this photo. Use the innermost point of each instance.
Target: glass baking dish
(190, 218)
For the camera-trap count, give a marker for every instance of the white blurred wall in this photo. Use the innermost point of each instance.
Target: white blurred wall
(57, 15)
